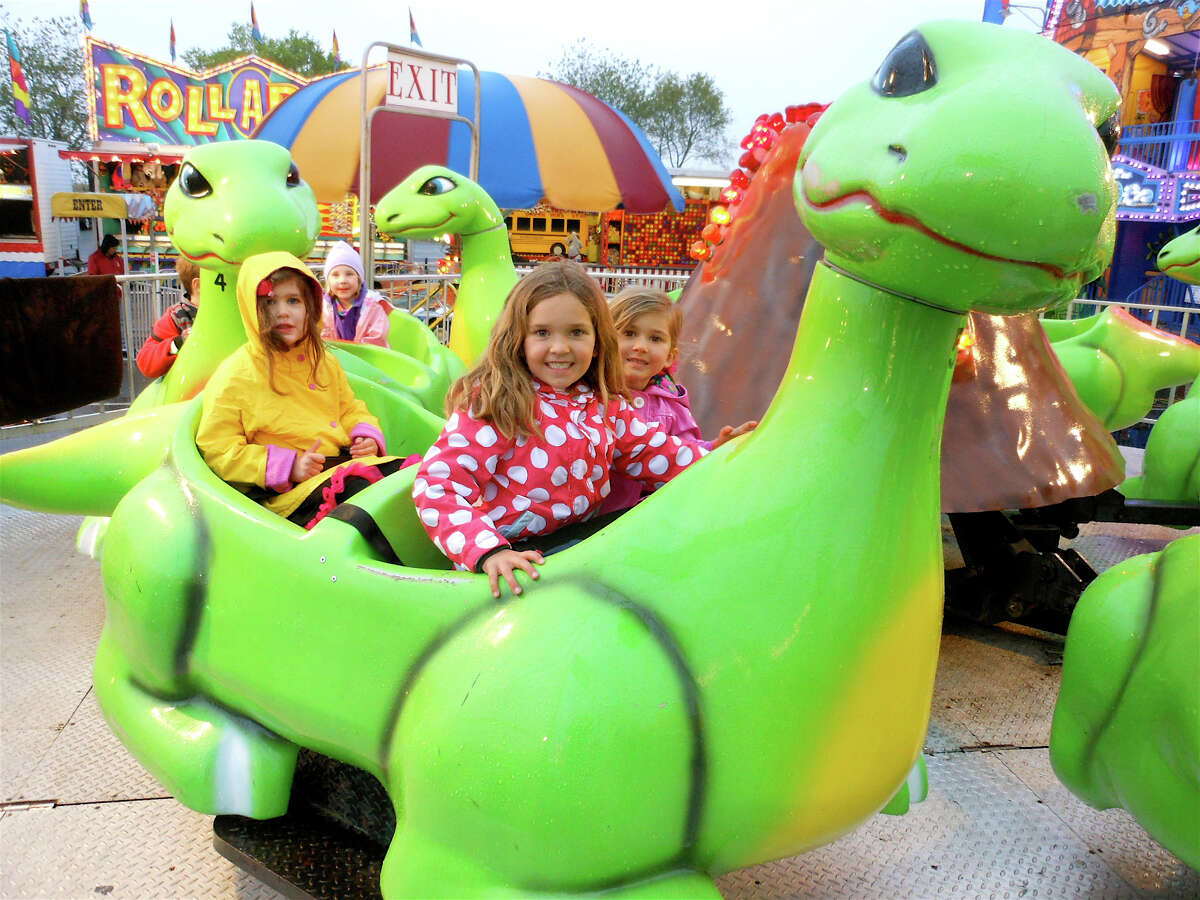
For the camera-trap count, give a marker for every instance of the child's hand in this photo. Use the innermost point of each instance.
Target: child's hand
(363, 446)
(308, 464)
(506, 562)
(728, 433)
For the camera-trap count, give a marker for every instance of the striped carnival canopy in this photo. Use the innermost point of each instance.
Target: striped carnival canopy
(538, 139)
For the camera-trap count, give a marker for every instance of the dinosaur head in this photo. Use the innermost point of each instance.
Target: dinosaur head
(1181, 257)
(972, 171)
(435, 200)
(237, 198)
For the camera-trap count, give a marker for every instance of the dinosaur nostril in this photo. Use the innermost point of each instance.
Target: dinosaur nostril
(218, 237)
(900, 153)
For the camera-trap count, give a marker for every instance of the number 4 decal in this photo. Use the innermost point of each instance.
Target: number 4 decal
(220, 280)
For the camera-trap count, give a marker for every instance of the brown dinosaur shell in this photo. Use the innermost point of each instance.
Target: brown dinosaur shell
(1016, 433)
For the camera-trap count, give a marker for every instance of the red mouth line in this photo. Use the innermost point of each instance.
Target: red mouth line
(411, 227)
(896, 218)
(204, 256)
(1186, 265)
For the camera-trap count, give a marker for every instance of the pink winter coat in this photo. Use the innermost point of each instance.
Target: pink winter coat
(373, 321)
(478, 490)
(665, 402)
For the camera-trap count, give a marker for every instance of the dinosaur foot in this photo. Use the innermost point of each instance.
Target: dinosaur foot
(415, 867)
(90, 537)
(210, 759)
(914, 790)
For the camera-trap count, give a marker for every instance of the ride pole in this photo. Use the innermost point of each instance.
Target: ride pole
(366, 226)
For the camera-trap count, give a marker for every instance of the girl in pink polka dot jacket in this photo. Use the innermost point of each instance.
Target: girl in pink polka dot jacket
(536, 429)
(648, 325)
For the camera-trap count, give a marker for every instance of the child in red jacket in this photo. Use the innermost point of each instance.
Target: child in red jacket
(167, 335)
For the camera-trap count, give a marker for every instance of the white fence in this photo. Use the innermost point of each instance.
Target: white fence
(145, 296)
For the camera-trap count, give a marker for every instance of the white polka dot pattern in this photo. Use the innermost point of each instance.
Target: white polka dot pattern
(476, 485)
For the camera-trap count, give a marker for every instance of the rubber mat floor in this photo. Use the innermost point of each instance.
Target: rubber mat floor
(80, 818)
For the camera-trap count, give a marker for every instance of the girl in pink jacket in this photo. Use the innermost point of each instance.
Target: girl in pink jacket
(648, 325)
(536, 430)
(351, 312)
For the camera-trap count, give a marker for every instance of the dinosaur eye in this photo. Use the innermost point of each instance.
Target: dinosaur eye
(907, 70)
(293, 176)
(192, 183)
(1110, 132)
(439, 184)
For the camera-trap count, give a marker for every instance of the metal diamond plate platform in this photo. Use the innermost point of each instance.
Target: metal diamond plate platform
(79, 818)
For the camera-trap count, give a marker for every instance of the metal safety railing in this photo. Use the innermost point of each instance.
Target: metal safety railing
(429, 296)
(1174, 146)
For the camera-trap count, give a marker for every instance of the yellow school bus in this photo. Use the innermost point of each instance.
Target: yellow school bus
(546, 233)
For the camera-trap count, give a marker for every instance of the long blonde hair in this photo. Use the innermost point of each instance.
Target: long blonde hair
(313, 310)
(500, 389)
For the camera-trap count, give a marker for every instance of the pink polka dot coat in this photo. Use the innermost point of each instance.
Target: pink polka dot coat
(478, 490)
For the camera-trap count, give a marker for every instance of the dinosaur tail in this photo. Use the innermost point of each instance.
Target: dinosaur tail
(88, 472)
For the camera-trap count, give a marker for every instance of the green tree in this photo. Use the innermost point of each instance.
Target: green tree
(683, 116)
(688, 116)
(52, 58)
(299, 52)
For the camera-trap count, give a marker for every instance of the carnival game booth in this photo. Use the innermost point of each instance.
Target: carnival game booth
(32, 243)
(1150, 51)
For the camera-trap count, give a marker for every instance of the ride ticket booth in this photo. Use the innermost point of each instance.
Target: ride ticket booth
(71, 205)
(612, 237)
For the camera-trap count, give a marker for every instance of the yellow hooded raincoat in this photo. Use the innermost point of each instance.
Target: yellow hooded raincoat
(249, 434)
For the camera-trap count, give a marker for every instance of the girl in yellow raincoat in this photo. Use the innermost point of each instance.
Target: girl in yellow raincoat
(279, 420)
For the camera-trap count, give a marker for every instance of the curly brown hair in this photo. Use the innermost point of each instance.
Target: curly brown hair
(500, 388)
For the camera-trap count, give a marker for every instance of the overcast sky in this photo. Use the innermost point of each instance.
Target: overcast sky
(763, 54)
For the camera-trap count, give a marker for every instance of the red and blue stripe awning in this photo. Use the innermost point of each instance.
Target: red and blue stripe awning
(539, 139)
